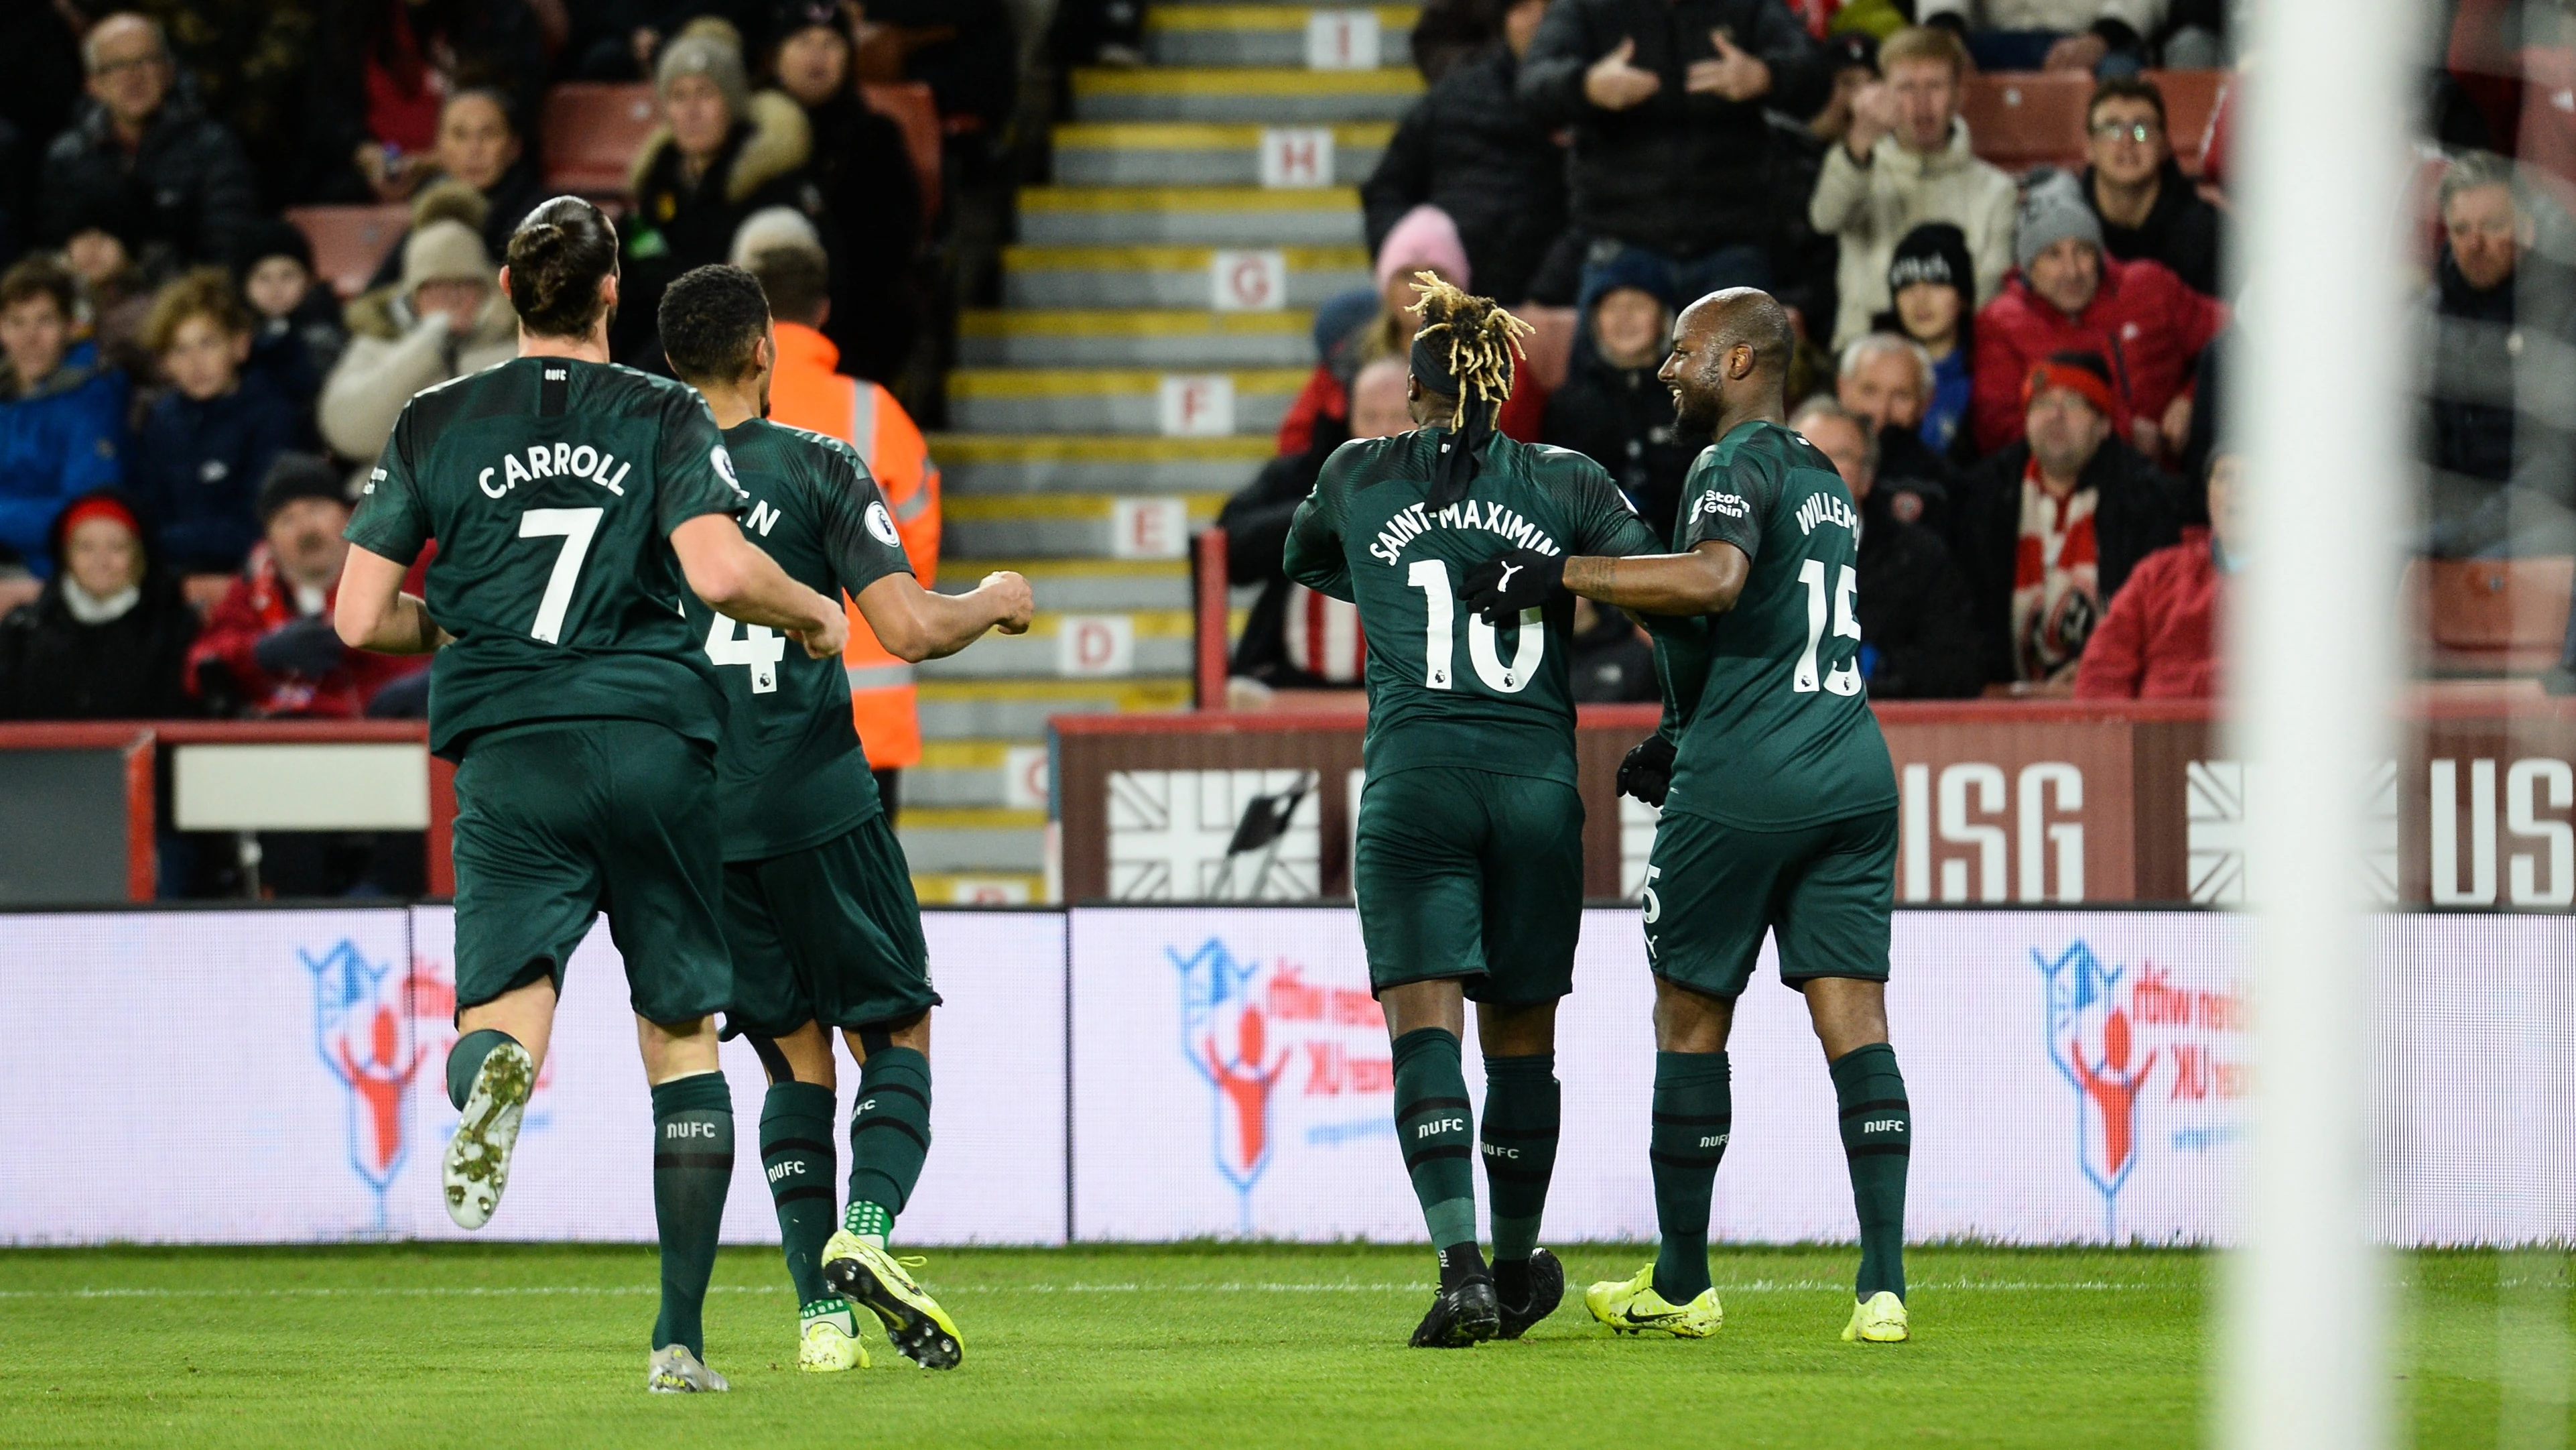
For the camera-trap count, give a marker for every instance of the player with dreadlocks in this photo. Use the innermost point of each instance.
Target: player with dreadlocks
(1468, 868)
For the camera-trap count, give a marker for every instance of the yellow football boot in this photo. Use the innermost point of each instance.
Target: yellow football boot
(914, 1322)
(1879, 1319)
(1633, 1307)
(828, 1339)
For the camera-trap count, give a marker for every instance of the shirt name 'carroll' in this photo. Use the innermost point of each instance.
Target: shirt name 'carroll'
(555, 460)
(1416, 520)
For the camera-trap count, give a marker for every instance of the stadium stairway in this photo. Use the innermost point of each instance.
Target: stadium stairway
(1156, 321)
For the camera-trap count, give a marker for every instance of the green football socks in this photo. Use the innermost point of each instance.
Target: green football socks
(1878, 1136)
(466, 1059)
(1694, 1112)
(1523, 1110)
(889, 1139)
(692, 1166)
(796, 1158)
(1434, 1127)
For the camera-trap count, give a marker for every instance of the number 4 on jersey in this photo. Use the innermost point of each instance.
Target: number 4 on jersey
(759, 648)
(1845, 677)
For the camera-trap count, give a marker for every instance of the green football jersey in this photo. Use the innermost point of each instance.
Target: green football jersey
(1445, 687)
(1775, 730)
(791, 773)
(552, 487)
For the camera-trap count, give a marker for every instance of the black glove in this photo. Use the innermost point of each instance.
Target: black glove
(308, 647)
(1647, 773)
(1518, 579)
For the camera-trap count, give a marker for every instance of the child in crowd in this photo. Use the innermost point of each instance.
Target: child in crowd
(1932, 280)
(297, 335)
(62, 413)
(207, 441)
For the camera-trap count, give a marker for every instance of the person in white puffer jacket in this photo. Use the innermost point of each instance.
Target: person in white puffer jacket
(444, 319)
(2050, 34)
(1906, 161)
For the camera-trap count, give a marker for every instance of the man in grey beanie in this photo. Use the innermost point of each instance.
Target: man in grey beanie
(2067, 296)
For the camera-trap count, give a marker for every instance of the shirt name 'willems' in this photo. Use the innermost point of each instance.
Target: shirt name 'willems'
(1825, 508)
(1415, 520)
(564, 460)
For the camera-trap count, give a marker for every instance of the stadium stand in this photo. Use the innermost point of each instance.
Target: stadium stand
(350, 242)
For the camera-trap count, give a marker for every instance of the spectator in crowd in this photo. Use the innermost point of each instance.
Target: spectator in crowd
(108, 638)
(1449, 33)
(1803, 261)
(1295, 638)
(444, 319)
(1933, 306)
(2500, 441)
(1906, 161)
(2150, 211)
(1425, 240)
(62, 413)
(480, 150)
(386, 69)
(2100, 36)
(143, 153)
(1918, 635)
(805, 391)
(2159, 641)
(1883, 379)
(1616, 411)
(1469, 148)
(2069, 297)
(115, 287)
(209, 439)
(616, 40)
(871, 217)
(1665, 99)
(2051, 527)
(720, 154)
(297, 335)
(269, 648)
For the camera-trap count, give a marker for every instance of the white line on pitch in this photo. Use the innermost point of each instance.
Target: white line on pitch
(469, 1291)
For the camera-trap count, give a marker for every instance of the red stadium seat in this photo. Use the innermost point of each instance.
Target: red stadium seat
(908, 105)
(349, 242)
(2191, 96)
(2022, 119)
(590, 131)
(2491, 616)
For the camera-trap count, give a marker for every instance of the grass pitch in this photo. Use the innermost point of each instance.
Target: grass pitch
(1201, 1345)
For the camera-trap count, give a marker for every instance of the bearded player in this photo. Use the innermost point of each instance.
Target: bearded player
(1468, 865)
(1779, 805)
(818, 904)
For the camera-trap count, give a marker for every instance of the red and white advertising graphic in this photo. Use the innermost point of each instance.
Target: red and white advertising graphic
(310, 1100)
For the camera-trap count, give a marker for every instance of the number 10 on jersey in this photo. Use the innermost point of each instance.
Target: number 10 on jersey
(1439, 643)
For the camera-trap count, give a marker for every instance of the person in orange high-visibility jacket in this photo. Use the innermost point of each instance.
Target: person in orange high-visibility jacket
(805, 392)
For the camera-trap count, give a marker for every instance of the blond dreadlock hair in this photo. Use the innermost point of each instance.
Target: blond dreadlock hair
(1479, 340)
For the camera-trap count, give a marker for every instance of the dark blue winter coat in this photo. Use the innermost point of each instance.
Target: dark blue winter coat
(197, 470)
(58, 440)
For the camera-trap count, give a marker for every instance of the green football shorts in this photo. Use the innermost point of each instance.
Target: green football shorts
(1472, 875)
(1712, 890)
(829, 934)
(559, 820)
